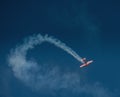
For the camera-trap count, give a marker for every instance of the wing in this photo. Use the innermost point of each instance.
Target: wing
(89, 62)
(82, 65)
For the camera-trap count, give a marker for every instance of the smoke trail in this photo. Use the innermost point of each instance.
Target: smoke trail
(39, 39)
(26, 70)
(46, 79)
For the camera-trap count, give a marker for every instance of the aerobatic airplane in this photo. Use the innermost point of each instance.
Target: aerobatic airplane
(85, 63)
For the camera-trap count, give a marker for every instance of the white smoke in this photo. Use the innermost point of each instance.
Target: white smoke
(26, 70)
(45, 79)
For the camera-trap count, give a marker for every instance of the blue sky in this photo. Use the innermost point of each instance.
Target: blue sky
(89, 27)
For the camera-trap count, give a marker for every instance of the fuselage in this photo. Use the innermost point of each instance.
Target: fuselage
(86, 63)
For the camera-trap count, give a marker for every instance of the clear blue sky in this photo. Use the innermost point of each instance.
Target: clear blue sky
(90, 27)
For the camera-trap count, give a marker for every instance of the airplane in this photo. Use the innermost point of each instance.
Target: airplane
(85, 63)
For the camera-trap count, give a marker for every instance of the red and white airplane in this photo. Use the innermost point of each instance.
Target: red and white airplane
(85, 63)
